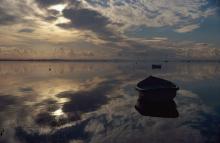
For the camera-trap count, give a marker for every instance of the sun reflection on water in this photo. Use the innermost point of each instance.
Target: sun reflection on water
(58, 112)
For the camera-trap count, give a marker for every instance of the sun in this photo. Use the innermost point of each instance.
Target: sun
(58, 7)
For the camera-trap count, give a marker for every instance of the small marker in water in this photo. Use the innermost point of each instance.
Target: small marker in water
(1, 132)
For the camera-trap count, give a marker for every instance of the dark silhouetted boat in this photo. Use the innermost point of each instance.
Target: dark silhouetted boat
(156, 98)
(156, 66)
(156, 89)
(157, 109)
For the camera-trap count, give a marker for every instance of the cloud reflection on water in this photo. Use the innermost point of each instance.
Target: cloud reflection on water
(97, 102)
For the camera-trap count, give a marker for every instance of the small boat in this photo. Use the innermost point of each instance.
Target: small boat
(156, 89)
(188, 61)
(156, 66)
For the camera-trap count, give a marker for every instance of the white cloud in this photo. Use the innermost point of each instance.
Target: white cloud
(154, 13)
(187, 28)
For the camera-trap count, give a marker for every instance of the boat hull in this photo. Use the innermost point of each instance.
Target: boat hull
(163, 94)
(156, 98)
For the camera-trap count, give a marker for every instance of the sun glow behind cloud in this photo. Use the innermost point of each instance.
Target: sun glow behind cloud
(102, 27)
(58, 7)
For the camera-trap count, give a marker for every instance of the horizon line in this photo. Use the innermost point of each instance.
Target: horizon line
(108, 60)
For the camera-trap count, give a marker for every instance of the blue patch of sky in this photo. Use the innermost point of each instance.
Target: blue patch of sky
(213, 4)
(209, 32)
(103, 3)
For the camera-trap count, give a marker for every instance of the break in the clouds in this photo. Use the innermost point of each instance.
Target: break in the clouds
(108, 28)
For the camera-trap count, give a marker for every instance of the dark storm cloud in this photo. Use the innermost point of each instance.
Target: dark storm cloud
(47, 3)
(26, 30)
(87, 19)
(6, 19)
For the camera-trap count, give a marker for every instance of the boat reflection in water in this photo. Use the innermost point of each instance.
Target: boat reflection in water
(157, 109)
(156, 98)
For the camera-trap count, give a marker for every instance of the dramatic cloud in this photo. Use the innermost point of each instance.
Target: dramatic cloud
(79, 25)
(153, 13)
(87, 19)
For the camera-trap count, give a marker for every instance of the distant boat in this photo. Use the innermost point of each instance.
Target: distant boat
(156, 89)
(188, 61)
(156, 66)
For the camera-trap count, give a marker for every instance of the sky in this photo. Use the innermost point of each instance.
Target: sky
(110, 29)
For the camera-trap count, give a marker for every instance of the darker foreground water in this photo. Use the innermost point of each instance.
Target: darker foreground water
(94, 103)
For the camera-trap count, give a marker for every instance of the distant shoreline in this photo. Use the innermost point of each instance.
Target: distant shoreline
(66, 60)
(106, 60)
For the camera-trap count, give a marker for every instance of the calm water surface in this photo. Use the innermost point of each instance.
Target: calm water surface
(94, 103)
